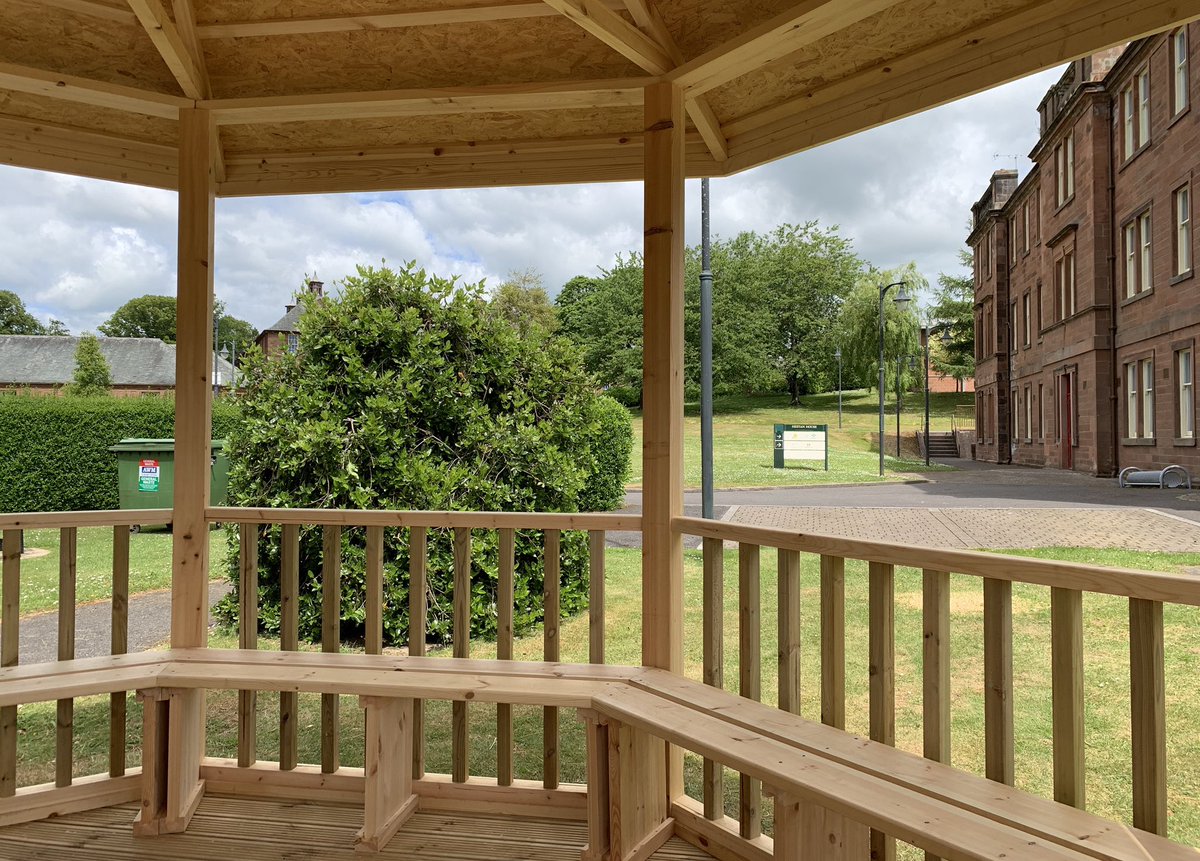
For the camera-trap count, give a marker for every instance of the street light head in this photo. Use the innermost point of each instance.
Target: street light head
(902, 298)
(946, 338)
(837, 354)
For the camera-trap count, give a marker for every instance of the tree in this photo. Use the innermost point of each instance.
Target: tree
(92, 376)
(603, 317)
(144, 317)
(954, 304)
(16, 320)
(410, 394)
(522, 301)
(238, 333)
(858, 329)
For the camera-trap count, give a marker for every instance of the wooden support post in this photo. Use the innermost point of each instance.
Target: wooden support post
(713, 627)
(118, 645)
(10, 646)
(156, 706)
(599, 827)
(833, 641)
(193, 453)
(551, 615)
(460, 742)
(662, 388)
(789, 630)
(247, 639)
(1148, 715)
(388, 788)
(935, 701)
(417, 551)
(289, 640)
(374, 620)
(504, 652)
(749, 674)
(1066, 671)
(596, 596)
(331, 641)
(65, 724)
(804, 831)
(999, 761)
(881, 600)
(639, 820)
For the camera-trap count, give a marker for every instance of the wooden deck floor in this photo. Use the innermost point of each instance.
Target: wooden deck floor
(235, 829)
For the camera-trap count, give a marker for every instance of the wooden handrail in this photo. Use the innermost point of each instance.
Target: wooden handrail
(1125, 582)
(428, 519)
(64, 519)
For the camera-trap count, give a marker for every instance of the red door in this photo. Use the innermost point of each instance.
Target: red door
(1067, 423)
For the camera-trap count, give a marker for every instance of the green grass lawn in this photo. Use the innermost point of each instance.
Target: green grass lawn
(149, 565)
(743, 428)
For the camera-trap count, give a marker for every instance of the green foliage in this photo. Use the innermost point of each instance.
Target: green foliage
(611, 429)
(522, 301)
(954, 304)
(773, 297)
(154, 317)
(858, 329)
(54, 451)
(16, 320)
(408, 393)
(92, 376)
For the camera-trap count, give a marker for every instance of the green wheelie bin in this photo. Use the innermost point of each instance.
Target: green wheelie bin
(146, 473)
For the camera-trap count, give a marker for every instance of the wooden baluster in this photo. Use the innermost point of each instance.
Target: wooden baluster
(119, 646)
(789, 631)
(596, 596)
(331, 636)
(1148, 716)
(417, 611)
(833, 641)
(998, 681)
(374, 586)
(882, 655)
(935, 654)
(247, 639)
(749, 673)
(551, 614)
(1066, 672)
(504, 651)
(289, 639)
(713, 626)
(460, 745)
(10, 647)
(64, 733)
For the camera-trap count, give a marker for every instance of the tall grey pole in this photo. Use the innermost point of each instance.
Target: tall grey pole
(882, 382)
(706, 391)
(839, 358)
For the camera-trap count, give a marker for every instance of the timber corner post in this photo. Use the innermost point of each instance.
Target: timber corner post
(183, 743)
(662, 399)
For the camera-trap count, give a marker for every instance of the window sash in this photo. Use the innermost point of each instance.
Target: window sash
(1183, 231)
(1070, 144)
(1143, 97)
(1127, 112)
(1181, 95)
(1187, 395)
(1148, 398)
(1025, 233)
(1131, 400)
(1147, 277)
(1130, 259)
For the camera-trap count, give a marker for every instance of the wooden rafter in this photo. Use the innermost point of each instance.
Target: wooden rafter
(606, 25)
(72, 88)
(181, 58)
(445, 12)
(82, 152)
(625, 92)
(109, 10)
(801, 25)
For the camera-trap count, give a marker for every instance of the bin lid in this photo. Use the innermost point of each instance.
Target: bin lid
(134, 444)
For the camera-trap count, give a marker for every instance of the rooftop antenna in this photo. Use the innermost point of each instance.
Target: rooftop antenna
(1015, 159)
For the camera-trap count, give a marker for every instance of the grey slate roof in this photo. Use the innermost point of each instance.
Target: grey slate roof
(289, 322)
(27, 360)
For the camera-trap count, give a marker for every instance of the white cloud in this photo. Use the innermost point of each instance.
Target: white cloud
(76, 249)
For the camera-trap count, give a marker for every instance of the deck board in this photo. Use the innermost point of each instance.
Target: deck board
(251, 830)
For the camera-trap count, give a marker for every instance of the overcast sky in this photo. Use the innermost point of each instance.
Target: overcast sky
(76, 249)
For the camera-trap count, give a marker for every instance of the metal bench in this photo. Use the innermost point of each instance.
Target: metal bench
(1172, 476)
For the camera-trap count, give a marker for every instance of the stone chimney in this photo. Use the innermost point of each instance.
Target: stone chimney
(288, 308)
(1004, 183)
(316, 288)
(1103, 61)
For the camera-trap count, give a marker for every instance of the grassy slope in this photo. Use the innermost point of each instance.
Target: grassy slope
(742, 432)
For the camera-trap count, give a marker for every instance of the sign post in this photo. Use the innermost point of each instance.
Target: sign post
(801, 442)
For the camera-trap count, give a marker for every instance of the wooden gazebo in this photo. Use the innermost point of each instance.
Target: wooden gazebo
(218, 98)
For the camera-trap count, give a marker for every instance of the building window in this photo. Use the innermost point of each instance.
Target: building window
(1026, 316)
(1179, 59)
(1064, 276)
(1041, 413)
(293, 342)
(1012, 326)
(1186, 395)
(1135, 110)
(1064, 169)
(1138, 273)
(1139, 399)
(1012, 240)
(1028, 413)
(1183, 230)
(1025, 225)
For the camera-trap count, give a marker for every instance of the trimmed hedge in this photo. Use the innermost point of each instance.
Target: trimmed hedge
(54, 451)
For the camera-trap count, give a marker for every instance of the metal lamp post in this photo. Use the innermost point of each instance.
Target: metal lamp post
(837, 354)
(901, 299)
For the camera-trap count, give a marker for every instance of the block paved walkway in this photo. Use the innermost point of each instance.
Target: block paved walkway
(996, 528)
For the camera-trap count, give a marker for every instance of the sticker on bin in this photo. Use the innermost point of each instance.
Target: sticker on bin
(148, 474)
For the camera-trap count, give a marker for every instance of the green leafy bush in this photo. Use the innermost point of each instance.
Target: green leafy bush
(406, 393)
(54, 451)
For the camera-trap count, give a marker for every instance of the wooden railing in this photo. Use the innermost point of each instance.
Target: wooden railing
(68, 524)
(419, 523)
(1146, 592)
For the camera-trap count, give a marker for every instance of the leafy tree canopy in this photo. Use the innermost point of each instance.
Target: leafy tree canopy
(92, 375)
(522, 301)
(152, 316)
(858, 328)
(954, 304)
(407, 392)
(16, 320)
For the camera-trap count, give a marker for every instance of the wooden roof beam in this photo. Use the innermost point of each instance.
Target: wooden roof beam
(71, 88)
(801, 25)
(609, 93)
(446, 12)
(80, 152)
(109, 10)
(610, 28)
(182, 59)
